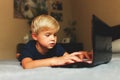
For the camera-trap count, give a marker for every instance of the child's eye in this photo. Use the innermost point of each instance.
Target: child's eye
(55, 34)
(47, 35)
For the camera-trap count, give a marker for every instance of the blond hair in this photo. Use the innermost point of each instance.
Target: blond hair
(44, 22)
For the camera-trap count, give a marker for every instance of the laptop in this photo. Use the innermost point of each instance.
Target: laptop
(101, 44)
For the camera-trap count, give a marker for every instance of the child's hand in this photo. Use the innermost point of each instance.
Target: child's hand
(66, 59)
(81, 56)
(84, 56)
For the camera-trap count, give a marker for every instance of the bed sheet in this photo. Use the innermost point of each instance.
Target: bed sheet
(11, 70)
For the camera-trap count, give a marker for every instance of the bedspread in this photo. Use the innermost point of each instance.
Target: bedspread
(11, 70)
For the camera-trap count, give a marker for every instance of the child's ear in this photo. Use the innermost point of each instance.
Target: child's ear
(34, 36)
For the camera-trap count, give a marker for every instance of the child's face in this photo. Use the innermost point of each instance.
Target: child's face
(46, 38)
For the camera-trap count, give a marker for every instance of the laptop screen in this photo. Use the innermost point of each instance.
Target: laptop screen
(101, 41)
(101, 35)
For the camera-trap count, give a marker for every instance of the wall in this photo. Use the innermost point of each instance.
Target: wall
(108, 11)
(67, 16)
(13, 30)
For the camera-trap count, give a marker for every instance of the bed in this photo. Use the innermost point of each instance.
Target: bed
(11, 70)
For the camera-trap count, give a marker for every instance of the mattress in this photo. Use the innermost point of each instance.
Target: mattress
(11, 70)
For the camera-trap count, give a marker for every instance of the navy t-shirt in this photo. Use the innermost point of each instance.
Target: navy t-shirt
(31, 51)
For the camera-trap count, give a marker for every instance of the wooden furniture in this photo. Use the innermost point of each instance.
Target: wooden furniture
(72, 47)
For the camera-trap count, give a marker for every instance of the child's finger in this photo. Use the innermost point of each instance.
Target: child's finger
(76, 53)
(87, 56)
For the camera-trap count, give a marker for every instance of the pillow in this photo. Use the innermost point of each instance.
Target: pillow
(115, 32)
(116, 45)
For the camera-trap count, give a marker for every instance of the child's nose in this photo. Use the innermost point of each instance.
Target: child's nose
(52, 37)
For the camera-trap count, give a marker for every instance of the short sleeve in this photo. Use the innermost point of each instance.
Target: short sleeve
(28, 49)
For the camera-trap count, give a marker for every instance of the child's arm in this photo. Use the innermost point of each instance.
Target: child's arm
(54, 61)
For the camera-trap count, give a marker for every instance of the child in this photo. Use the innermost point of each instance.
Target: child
(42, 50)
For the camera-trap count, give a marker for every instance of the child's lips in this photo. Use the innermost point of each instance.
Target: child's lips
(52, 44)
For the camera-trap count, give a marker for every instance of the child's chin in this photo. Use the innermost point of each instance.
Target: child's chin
(50, 47)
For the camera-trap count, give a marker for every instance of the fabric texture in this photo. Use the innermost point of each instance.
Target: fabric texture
(11, 70)
(31, 51)
(116, 45)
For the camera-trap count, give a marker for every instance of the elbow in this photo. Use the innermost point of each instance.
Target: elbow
(27, 63)
(27, 66)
